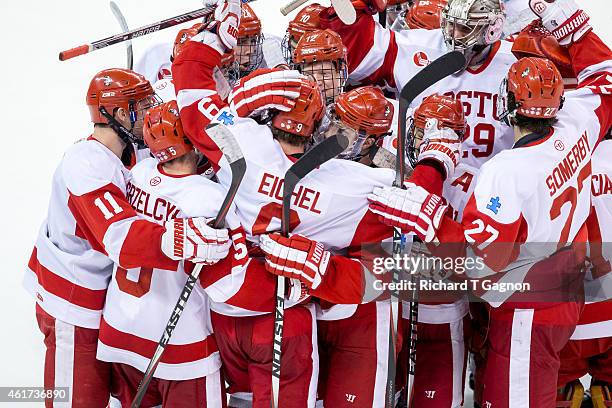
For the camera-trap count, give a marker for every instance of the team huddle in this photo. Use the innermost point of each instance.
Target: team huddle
(502, 161)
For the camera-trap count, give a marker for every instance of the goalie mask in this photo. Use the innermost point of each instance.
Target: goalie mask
(361, 113)
(470, 25)
(449, 113)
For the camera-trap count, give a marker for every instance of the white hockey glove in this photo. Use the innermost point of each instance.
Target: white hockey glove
(413, 210)
(193, 240)
(563, 18)
(265, 89)
(224, 24)
(296, 257)
(442, 145)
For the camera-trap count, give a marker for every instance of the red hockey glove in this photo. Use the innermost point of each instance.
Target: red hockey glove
(441, 145)
(192, 239)
(563, 18)
(265, 89)
(296, 257)
(412, 210)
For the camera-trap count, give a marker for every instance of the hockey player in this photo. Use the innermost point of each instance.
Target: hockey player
(248, 53)
(506, 206)
(306, 20)
(90, 225)
(589, 350)
(139, 300)
(380, 56)
(321, 56)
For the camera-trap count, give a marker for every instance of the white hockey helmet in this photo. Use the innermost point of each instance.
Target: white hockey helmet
(470, 23)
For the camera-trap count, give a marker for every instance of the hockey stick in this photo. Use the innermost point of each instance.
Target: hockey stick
(228, 145)
(321, 153)
(123, 24)
(439, 69)
(292, 5)
(343, 8)
(138, 32)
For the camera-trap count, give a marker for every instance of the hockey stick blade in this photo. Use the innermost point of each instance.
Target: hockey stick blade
(439, 69)
(292, 5)
(345, 11)
(319, 154)
(123, 24)
(231, 150)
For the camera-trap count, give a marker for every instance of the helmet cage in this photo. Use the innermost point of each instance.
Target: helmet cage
(331, 81)
(356, 138)
(248, 49)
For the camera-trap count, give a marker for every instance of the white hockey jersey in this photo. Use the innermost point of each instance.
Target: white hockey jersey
(155, 62)
(596, 318)
(534, 194)
(139, 301)
(89, 226)
(380, 56)
(329, 205)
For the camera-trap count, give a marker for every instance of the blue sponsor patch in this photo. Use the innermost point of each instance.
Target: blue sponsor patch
(494, 205)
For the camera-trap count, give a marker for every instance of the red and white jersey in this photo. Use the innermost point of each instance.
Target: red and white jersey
(140, 300)
(537, 192)
(380, 56)
(329, 205)
(155, 62)
(89, 226)
(596, 318)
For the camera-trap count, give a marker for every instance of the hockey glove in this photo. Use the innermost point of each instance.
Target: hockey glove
(225, 23)
(265, 89)
(296, 257)
(441, 145)
(192, 239)
(412, 210)
(563, 18)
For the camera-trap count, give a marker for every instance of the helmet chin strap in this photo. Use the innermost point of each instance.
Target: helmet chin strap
(126, 135)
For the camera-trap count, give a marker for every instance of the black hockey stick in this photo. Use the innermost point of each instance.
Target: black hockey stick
(319, 154)
(138, 32)
(230, 149)
(123, 24)
(439, 69)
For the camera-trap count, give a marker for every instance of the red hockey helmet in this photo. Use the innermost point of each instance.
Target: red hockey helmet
(306, 20)
(533, 88)
(447, 110)
(319, 45)
(536, 41)
(308, 111)
(116, 88)
(425, 14)
(163, 132)
(366, 110)
(185, 35)
(250, 25)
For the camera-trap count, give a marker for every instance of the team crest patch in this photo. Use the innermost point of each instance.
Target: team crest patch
(155, 181)
(494, 205)
(421, 59)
